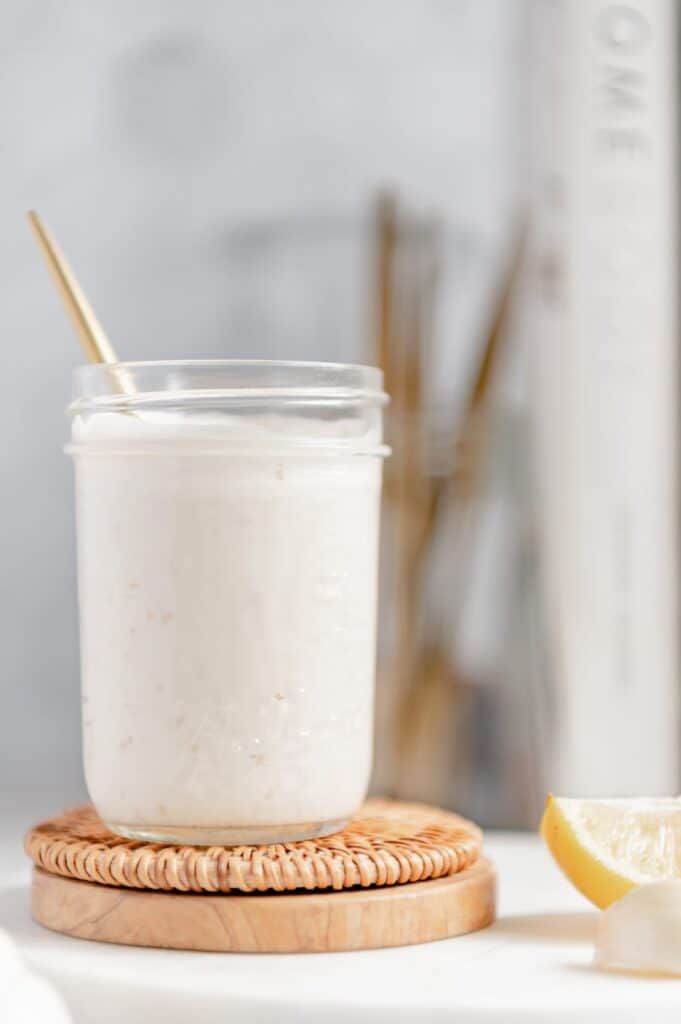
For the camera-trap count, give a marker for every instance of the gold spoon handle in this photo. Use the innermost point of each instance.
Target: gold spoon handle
(91, 334)
(96, 345)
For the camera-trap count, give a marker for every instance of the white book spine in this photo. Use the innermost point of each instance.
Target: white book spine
(605, 391)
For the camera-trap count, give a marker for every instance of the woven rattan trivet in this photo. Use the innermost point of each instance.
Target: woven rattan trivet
(93, 884)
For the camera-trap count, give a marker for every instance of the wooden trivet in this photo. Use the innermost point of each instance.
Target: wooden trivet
(92, 884)
(300, 922)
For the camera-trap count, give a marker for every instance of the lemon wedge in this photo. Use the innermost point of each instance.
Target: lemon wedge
(607, 847)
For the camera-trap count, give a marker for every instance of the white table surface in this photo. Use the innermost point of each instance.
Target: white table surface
(533, 965)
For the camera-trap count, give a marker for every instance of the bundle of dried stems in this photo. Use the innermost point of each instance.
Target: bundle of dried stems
(420, 678)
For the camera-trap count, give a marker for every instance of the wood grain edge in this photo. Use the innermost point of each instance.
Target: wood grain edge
(270, 923)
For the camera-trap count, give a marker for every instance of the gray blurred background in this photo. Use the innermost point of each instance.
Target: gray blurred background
(164, 142)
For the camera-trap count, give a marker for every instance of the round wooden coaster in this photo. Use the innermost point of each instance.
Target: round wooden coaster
(270, 923)
(388, 843)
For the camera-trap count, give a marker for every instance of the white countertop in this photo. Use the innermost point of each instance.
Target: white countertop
(533, 965)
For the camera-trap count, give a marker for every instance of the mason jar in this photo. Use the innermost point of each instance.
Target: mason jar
(227, 521)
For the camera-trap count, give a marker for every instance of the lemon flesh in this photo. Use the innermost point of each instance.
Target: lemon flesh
(607, 847)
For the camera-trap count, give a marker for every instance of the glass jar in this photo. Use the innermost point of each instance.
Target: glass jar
(227, 547)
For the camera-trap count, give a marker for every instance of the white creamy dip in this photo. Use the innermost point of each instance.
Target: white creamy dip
(228, 601)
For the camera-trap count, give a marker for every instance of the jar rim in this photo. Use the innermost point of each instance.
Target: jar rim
(127, 384)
